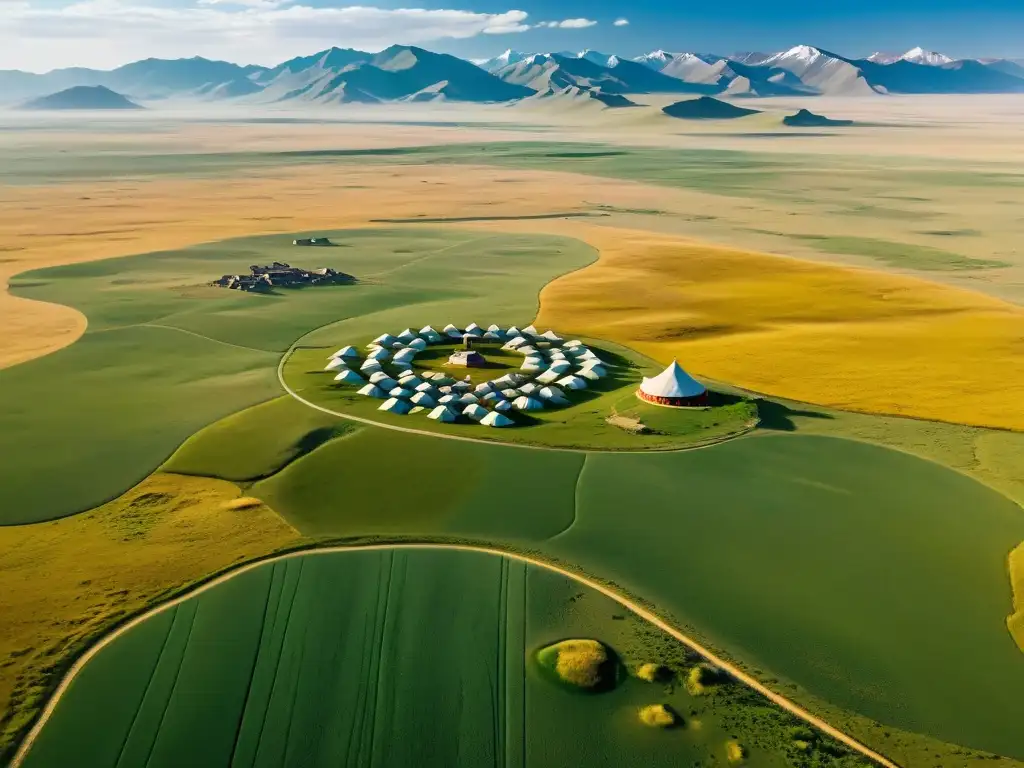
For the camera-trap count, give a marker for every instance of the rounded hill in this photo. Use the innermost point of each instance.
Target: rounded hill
(706, 108)
(83, 97)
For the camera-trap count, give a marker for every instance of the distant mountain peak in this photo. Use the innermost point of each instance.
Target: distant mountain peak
(929, 58)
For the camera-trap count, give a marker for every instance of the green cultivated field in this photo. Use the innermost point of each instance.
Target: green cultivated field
(390, 658)
(164, 355)
(870, 578)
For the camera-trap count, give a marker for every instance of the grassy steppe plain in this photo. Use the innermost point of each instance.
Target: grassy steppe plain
(422, 658)
(165, 355)
(844, 338)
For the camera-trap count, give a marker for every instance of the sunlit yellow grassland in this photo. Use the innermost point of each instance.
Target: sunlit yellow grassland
(849, 338)
(64, 582)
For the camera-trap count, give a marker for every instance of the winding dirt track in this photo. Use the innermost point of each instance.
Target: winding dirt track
(624, 601)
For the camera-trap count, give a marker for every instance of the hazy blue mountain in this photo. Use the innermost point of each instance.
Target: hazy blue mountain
(82, 97)
(807, 119)
(552, 70)
(706, 108)
(502, 60)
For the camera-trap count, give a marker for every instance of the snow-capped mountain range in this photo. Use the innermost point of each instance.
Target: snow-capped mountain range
(408, 73)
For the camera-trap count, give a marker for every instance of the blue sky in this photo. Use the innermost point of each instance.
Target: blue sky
(38, 35)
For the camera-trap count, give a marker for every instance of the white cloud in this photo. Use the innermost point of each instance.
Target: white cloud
(621, 23)
(107, 33)
(568, 24)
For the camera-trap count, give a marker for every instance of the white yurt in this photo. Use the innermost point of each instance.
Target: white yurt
(527, 404)
(336, 363)
(370, 366)
(418, 344)
(561, 367)
(405, 355)
(474, 330)
(551, 336)
(550, 375)
(673, 387)
(502, 406)
(400, 392)
(446, 399)
(461, 386)
(422, 398)
(560, 402)
(593, 373)
(474, 412)
(493, 336)
(406, 336)
(513, 331)
(442, 414)
(469, 398)
(349, 377)
(426, 386)
(410, 382)
(378, 354)
(573, 343)
(384, 340)
(511, 393)
(547, 393)
(515, 342)
(572, 382)
(492, 396)
(452, 332)
(431, 336)
(529, 331)
(383, 380)
(394, 405)
(483, 389)
(371, 390)
(527, 349)
(528, 388)
(495, 419)
(347, 352)
(492, 328)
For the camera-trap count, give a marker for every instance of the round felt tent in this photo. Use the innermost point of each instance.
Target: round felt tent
(394, 405)
(494, 419)
(442, 414)
(673, 387)
(349, 377)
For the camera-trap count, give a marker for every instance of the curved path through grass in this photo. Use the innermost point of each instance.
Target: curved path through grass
(625, 601)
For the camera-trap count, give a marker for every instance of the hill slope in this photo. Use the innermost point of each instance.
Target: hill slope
(82, 97)
(706, 108)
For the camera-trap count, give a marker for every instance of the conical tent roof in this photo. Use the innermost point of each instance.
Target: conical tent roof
(494, 419)
(394, 405)
(442, 414)
(349, 377)
(672, 382)
(527, 404)
(419, 344)
(407, 335)
(335, 364)
(371, 390)
(474, 412)
(348, 351)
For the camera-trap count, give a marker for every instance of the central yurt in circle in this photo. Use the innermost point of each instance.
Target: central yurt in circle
(673, 387)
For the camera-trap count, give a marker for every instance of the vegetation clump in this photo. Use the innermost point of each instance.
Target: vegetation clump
(734, 751)
(703, 677)
(243, 502)
(653, 672)
(584, 664)
(658, 716)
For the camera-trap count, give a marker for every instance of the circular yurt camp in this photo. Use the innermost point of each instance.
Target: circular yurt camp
(673, 387)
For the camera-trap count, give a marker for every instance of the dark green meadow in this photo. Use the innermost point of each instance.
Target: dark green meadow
(388, 658)
(165, 355)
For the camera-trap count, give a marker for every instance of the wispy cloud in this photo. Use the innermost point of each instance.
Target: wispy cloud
(105, 33)
(621, 23)
(568, 24)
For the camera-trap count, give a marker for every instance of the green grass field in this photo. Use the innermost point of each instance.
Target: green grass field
(164, 355)
(791, 570)
(281, 667)
(581, 426)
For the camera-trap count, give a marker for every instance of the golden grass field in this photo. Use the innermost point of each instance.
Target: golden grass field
(63, 582)
(851, 339)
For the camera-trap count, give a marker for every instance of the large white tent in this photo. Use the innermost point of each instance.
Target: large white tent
(503, 405)
(394, 405)
(550, 375)
(674, 387)
(383, 381)
(349, 377)
(548, 393)
(495, 419)
(384, 340)
(452, 332)
(593, 373)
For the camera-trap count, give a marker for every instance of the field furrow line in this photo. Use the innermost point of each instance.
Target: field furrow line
(174, 686)
(294, 582)
(270, 598)
(382, 639)
(149, 685)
